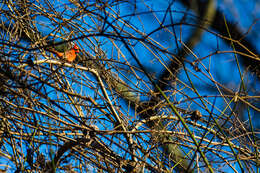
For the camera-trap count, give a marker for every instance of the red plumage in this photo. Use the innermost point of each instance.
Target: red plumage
(69, 55)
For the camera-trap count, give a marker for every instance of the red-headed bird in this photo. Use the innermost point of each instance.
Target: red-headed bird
(66, 51)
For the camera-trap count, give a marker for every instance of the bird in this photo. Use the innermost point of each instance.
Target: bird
(67, 51)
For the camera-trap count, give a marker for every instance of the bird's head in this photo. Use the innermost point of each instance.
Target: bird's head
(75, 48)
